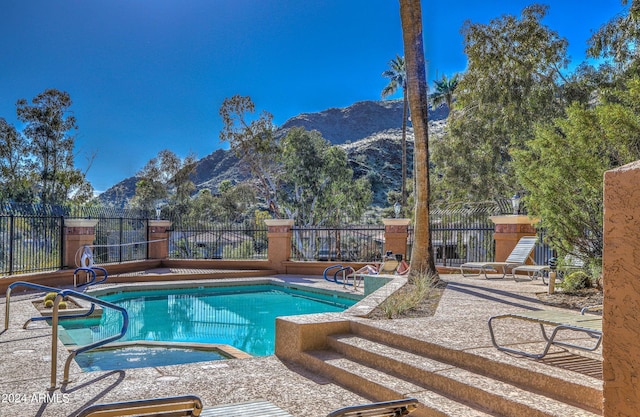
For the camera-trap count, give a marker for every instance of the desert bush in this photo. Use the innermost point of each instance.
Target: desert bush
(576, 281)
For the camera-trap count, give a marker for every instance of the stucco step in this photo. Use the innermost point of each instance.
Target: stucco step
(483, 392)
(539, 376)
(380, 386)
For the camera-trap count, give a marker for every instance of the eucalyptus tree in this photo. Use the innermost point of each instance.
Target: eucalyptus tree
(48, 123)
(618, 39)
(254, 142)
(397, 76)
(16, 181)
(513, 81)
(422, 261)
(318, 185)
(444, 89)
(318, 188)
(165, 177)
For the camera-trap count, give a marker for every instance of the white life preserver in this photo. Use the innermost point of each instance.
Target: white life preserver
(86, 260)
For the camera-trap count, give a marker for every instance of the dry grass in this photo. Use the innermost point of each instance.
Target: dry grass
(418, 298)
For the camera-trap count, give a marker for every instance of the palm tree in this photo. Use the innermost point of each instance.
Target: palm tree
(422, 253)
(397, 78)
(444, 91)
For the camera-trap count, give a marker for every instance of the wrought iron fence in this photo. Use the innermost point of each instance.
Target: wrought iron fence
(120, 239)
(217, 240)
(358, 243)
(30, 243)
(463, 233)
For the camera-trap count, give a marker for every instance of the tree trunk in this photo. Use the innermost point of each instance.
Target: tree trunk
(411, 16)
(404, 148)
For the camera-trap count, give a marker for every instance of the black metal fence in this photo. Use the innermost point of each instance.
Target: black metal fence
(31, 237)
(217, 240)
(359, 243)
(30, 243)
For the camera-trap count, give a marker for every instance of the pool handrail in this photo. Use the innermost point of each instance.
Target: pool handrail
(38, 318)
(324, 274)
(92, 281)
(81, 349)
(54, 323)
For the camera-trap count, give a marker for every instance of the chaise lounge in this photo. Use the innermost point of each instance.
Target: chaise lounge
(560, 321)
(518, 257)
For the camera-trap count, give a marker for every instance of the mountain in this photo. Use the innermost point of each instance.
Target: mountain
(370, 132)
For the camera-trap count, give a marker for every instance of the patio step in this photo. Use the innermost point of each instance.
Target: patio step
(442, 387)
(381, 386)
(532, 376)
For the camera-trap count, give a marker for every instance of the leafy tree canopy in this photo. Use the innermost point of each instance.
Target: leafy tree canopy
(48, 124)
(512, 82)
(563, 166)
(319, 188)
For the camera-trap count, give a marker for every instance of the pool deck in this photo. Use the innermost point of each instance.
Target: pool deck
(459, 322)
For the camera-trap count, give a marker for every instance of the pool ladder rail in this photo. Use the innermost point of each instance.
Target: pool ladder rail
(345, 271)
(55, 317)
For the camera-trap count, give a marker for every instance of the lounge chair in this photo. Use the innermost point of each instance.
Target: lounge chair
(569, 263)
(188, 405)
(518, 257)
(560, 321)
(382, 409)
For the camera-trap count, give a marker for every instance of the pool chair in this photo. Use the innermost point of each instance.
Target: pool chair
(560, 322)
(382, 409)
(568, 264)
(188, 405)
(518, 257)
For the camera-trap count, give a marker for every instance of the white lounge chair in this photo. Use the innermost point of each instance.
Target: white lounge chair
(569, 263)
(519, 255)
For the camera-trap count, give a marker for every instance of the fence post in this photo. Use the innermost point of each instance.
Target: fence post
(507, 232)
(77, 233)
(158, 232)
(396, 232)
(620, 269)
(279, 237)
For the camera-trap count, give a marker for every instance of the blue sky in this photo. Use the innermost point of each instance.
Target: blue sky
(147, 75)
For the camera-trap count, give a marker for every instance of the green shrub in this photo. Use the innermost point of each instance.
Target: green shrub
(576, 281)
(62, 305)
(48, 303)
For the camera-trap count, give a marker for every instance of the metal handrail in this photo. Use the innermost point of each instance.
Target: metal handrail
(157, 406)
(82, 349)
(54, 323)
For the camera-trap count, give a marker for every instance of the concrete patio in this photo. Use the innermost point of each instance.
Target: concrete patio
(459, 324)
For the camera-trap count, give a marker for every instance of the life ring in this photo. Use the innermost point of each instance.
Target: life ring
(86, 260)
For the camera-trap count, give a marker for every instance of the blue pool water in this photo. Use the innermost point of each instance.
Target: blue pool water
(240, 316)
(142, 357)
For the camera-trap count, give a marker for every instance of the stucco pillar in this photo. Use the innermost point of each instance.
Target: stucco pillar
(158, 239)
(621, 272)
(396, 232)
(77, 234)
(507, 232)
(279, 236)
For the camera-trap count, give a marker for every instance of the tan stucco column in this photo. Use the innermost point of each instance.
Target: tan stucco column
(279, 236)
(77, 233)
(158, 239)
(507, 232)
(621, 272)
(396, 232)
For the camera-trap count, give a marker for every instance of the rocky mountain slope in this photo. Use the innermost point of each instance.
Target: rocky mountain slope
(370, 132)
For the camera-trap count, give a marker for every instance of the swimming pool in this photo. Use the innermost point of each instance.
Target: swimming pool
(242, 316)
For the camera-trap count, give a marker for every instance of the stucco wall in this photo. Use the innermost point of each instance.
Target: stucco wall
(621, 268)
